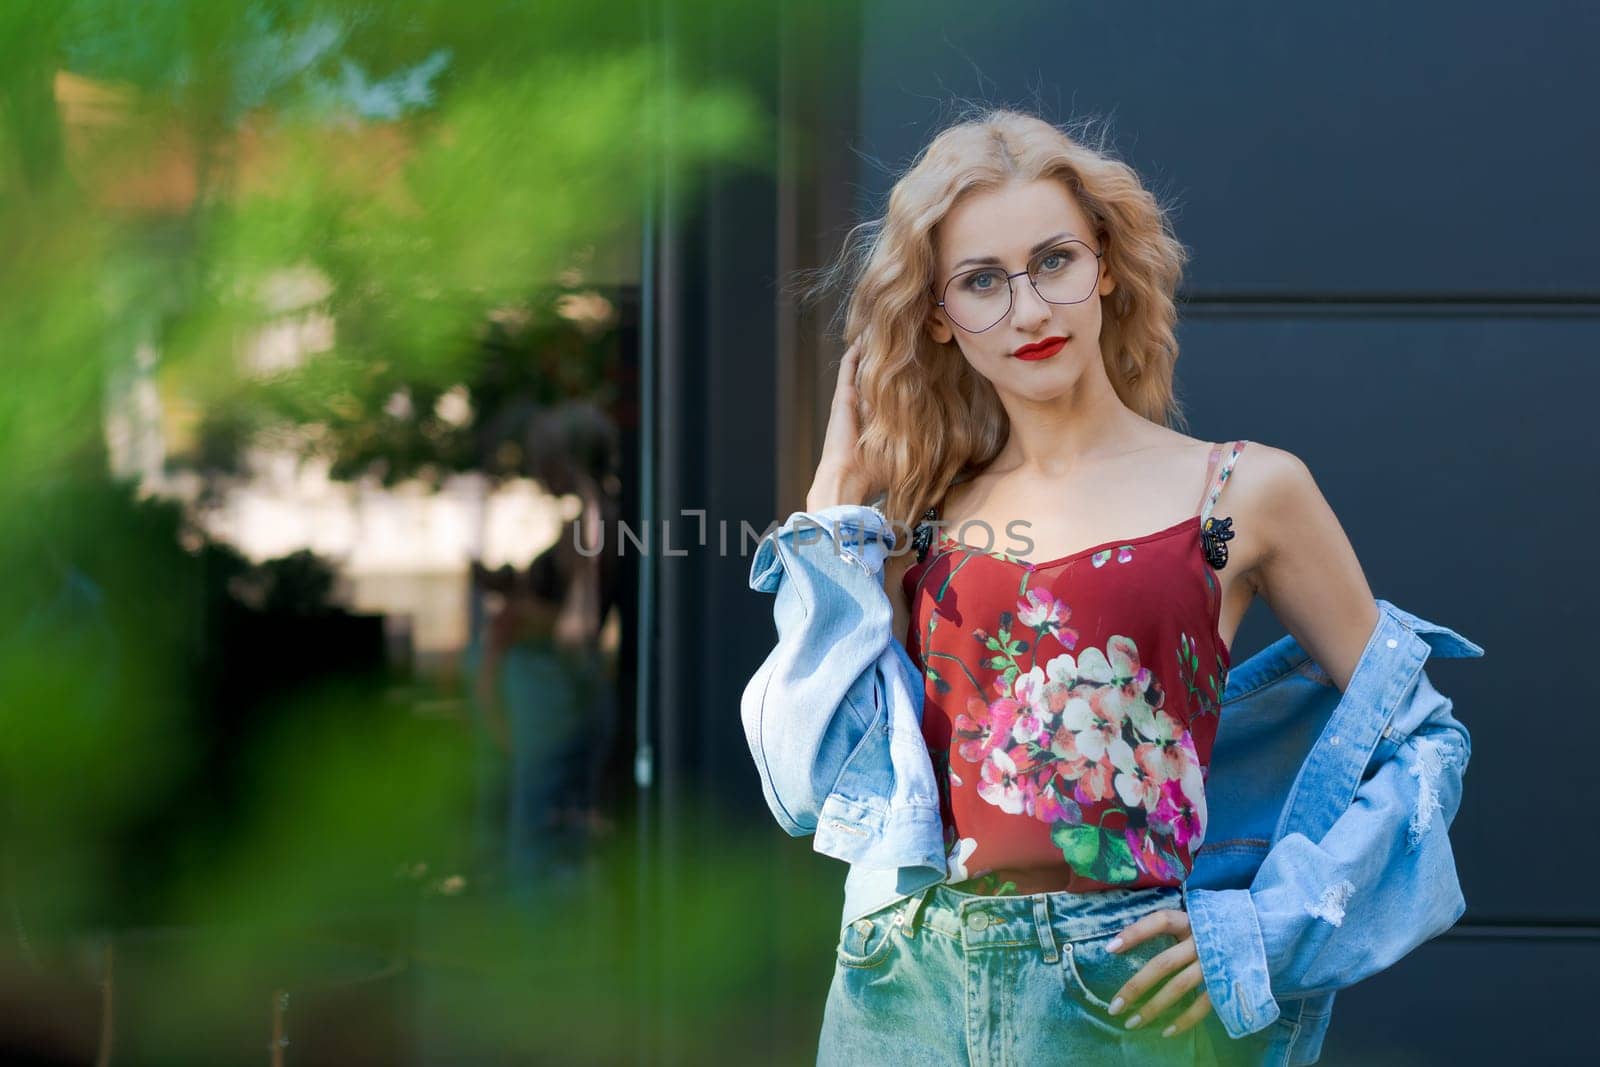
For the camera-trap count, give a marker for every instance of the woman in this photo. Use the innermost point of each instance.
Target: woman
(1011, 373)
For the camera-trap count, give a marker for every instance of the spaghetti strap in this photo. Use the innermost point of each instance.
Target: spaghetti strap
(1219, 479)
(1216, 532)
(922, 533)
(1211, 466)
(922, 536)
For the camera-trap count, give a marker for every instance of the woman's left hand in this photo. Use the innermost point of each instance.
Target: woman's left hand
(1181, 960)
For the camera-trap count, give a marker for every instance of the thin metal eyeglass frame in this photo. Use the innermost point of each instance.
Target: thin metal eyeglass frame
(1011, 290)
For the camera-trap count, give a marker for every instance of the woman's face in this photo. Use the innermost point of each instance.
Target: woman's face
(992, 233)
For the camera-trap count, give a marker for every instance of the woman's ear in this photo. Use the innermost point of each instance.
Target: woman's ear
(939, 327)
(1108, 284)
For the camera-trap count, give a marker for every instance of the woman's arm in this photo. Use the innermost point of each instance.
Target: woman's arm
(1336, 901)
(1307, 572)
(832, 714)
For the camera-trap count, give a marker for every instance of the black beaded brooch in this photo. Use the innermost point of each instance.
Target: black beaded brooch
(1213, 538)
(923, 537)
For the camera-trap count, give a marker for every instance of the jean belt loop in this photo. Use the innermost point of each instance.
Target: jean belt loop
(1041, 919)
(914, 909)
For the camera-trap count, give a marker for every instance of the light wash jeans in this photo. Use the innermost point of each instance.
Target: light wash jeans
(947, 977)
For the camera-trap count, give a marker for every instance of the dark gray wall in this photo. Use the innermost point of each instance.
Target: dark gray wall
(1393, 227)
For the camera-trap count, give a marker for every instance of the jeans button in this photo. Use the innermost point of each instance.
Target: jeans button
(978, 920)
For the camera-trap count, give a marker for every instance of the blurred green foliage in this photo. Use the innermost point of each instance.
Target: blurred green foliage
(419, 174)
(442, 197)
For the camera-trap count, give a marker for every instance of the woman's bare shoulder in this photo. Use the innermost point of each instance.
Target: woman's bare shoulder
(1265, 473)
(1260, 471)
(1272, 491)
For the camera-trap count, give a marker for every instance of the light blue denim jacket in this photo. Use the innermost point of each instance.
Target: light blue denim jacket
(1326, 856)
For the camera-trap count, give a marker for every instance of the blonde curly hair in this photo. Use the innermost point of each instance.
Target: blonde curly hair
(927, 417)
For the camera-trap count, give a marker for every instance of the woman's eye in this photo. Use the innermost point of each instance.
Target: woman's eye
(1061, 257)
(975, 281)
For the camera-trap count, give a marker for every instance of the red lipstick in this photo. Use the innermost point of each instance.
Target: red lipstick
(1040, 349)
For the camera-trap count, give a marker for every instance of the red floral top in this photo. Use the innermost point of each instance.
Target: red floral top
(1071, 704)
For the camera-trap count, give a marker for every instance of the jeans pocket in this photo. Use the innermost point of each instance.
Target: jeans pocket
(870, 940)
(1094, 974)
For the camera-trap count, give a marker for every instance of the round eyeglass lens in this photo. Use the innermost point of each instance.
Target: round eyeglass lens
(1064, 274)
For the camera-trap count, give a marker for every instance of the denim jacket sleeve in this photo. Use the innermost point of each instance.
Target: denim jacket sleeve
(1348, 889)
(832, 716)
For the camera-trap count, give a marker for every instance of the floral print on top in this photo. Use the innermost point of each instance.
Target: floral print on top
(1070, 706)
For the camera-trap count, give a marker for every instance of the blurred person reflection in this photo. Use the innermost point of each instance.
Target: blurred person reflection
(543, 681)
(528, 687)
(543, 692)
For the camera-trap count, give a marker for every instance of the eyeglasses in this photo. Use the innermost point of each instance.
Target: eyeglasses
(977, 300)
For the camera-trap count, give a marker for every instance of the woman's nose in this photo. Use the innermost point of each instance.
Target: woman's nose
(1028, 308)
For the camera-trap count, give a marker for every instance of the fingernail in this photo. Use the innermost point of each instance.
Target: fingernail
(1114, 944)
(1169, 1031)
(1133, 1020)
(1116, 1006)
